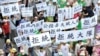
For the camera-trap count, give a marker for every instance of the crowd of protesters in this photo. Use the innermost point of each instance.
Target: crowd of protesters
(88, 47)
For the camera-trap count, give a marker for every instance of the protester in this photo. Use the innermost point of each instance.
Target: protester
(7, 46)
(96, 49)
(13, 52)
(83, 51)
(6, 28)
(13, 27)
(66, 19)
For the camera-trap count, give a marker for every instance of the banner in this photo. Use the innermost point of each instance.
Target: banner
(40, 39)
(89, 22)
(27, 12)
(41, 6)
(75, 35)
(10, 9)
(60, 25)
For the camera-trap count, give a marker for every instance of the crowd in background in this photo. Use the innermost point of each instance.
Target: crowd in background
(88, 47)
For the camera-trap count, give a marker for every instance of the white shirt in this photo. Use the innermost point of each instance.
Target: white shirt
(65, 50)
(41, 53)
(77, 48)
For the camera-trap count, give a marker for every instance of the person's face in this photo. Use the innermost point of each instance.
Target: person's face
(36, 19)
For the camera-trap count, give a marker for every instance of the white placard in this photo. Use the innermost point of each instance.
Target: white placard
(38, 24)
(60, 25)
(65, 13)
(18, 41)
(27, 12)
(40, 39)
(69, 13)
(89, 22)
(77, 9)
(41, 6)
(75, 35)
(7, 1)
(61, 14)
(50, 10)
(22, 40)
(10, 9)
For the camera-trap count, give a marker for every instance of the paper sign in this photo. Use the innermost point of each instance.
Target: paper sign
(10, 9)
(38, 24)
(89, 22)
(40, 39)
(50, 10)
(77, 9)
(22, 40)
(75, 35)
(41, 6)
(18, 41)
(7, 1)
(27, 12)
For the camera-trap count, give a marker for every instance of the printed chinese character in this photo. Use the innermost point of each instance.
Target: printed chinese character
(93, 20)
(67, 23)
(61, 37)
(23, 38)
(56, 25)
(25, 31)
(28, 25)
(52, 31)
(31, 30)
(70, 36)
(45, 38)
(80, 34)
(18, 40)
(14, 8)
(89, 33)
(6, 10)
(35, 40)
(86, 22)
(51, 26)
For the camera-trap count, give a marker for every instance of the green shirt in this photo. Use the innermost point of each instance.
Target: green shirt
(61, 3)
(79, 27)
(81, 2)
(50, 19)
